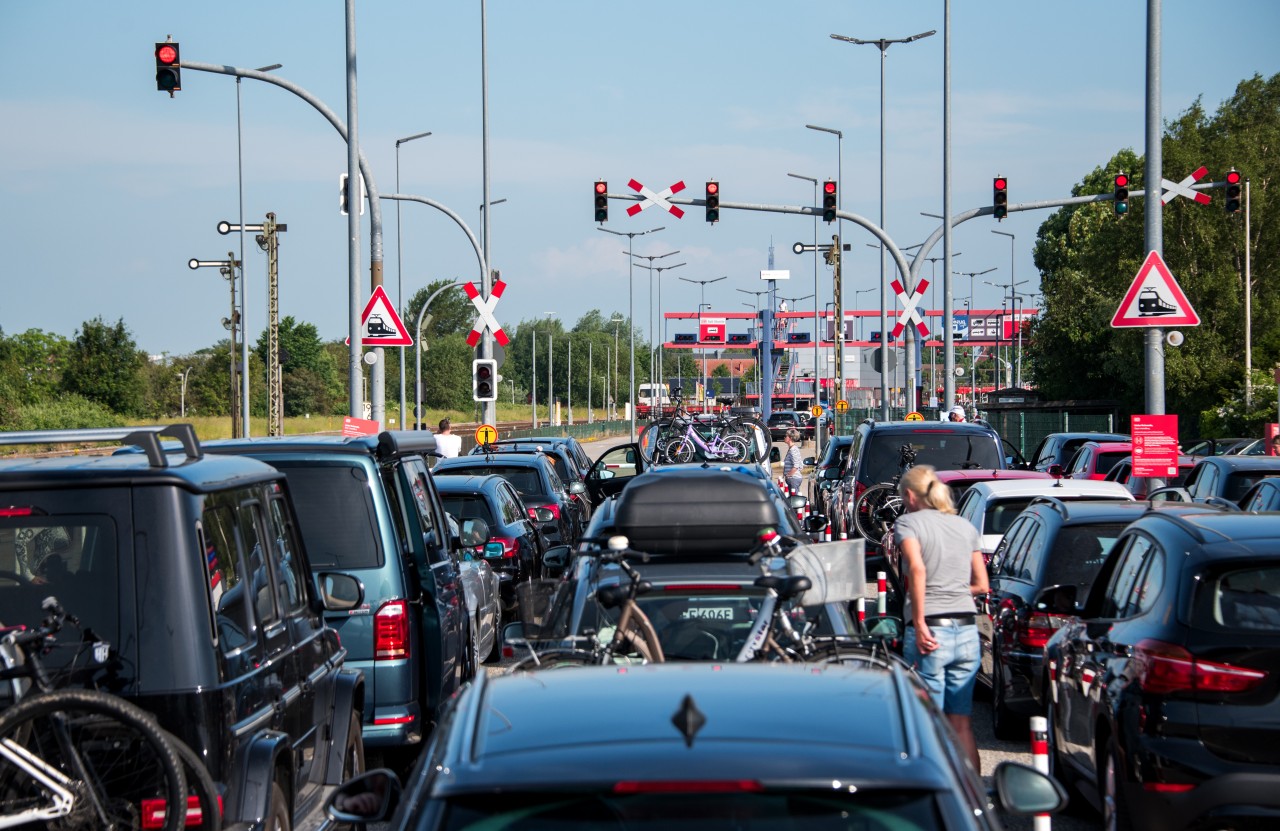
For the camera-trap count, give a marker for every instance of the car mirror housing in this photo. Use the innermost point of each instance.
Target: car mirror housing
(475, 532)
(577, 487)
(369, 797)
(339, 592)
(557, 557)
(1061, 599)
(1023, 790)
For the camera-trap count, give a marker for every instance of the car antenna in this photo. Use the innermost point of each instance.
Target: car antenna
(688, 719)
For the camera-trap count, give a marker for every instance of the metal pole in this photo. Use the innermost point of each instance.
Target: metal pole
(417, 352)
(355, 375)
(400, 272)
(591, 416)
(1153, 212)
(569, 384)
(533, 375)
(948, 303)
(1248, 310)
(489, 408)
(244, 289)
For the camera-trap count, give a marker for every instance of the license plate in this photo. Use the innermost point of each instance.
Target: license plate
(709, 613)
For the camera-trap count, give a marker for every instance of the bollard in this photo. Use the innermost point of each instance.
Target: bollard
(862, 611)
(1053, 680)
(826, 532)
(1040, 760)
(882, 593)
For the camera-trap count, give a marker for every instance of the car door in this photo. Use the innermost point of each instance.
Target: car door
(611, 472)
(1090, 656)
(441, 600)
(1005, 566)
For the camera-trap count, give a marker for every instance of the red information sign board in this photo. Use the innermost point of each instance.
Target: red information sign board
(1155, 445)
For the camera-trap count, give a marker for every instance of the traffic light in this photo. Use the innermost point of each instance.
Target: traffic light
(1233, 191)
(602, 200)
(484, 379)
(829, 201)
(1000, 197)
(713, 201)
(168, 68)
(1122, 194)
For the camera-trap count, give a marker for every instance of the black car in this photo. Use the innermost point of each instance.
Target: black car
(1264, 496)
(685, 746)
(1058, 448)
(1164, 693)
(1228, 477)
(568, 467)
(780, 421)
(534, 477)
(826, 473)
(1053, 542)
(515, 545)
(876, 455)
(368, 507)
(191, 568)
(576, 451)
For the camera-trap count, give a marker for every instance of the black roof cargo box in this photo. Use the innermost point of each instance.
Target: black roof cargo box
(695, 513)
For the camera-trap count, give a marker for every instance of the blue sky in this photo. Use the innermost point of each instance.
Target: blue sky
(110, 187)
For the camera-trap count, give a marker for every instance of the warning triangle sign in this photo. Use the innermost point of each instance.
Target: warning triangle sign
(1155, 299)
(380, 325)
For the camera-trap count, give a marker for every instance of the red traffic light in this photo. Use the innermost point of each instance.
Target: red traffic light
(829, 187)
(601, 187)
(712, 188)
(1122, 181)
(1233, 177)
(1001, 184)
(167, 54)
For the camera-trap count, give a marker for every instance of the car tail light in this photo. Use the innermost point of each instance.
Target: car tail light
(553, 508)
(1166, 668)
(691, 786)
(1034, 632)
(16, 510)
(391, 631)
(509, 547)
(153, 812)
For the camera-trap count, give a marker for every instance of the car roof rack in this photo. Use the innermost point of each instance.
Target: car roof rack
(145, 438)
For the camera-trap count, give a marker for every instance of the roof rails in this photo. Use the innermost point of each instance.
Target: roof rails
(1053, 502)
(146, 438)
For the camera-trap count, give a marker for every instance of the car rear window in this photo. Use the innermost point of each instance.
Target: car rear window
(1238, 484)
(1106, 461)
(1243, 599)
(73, 557)
(525, 480)
(336, 514)
(468, 506)
(944, 450)
(1078, 554)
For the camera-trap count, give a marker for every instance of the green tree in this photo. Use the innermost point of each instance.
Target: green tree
(104, 365)
(302, 353)
(31, 362)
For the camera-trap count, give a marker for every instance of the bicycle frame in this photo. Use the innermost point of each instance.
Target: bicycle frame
(55, 784)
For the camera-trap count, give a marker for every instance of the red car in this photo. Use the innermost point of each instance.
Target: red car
(1094, 459)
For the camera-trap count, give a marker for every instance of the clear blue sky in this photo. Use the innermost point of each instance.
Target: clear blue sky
(110, 187)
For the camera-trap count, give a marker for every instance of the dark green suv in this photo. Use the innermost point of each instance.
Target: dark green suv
(192, 569)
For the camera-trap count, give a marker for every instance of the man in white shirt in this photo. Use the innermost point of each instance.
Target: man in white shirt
(448, 444)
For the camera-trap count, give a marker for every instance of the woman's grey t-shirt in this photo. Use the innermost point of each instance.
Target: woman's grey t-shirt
(947, 543)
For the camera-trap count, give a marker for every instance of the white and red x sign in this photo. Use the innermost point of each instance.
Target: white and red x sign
(651, 198)
(486, 320)
(909, 312)
(1183, 188)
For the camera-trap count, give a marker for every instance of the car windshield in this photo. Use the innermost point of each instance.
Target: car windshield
(636, 805)
(467, 506)
(1078, 553)
(942, 449)
(524, 479)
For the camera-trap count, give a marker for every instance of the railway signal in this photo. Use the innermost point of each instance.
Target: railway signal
(168, 68)
(1000, 197)
(484, 379)
(713, 201)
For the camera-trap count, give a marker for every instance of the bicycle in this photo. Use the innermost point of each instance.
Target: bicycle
(880, 505)
(81, 758)
(632, 635)
(679, 438)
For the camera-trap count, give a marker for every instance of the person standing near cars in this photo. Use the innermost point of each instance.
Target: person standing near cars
(942, 556)
(447, 442)
(792, 462)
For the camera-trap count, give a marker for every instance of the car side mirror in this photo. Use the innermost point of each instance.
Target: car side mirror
(1021, 789)
(1055, 471)
(369, 797)
(475, 533)
(557, 557)
(808, 461)
(886, 627)
(494, 551)
(832, 473)
(541, 514)
(339, 592)
(797, 502)
(774, 455)
(577, 487)
(815, 523)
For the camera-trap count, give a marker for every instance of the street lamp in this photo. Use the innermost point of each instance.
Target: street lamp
(399, 265)
(244, 289)
(1012, 275)
(933, 301)
(615, 320)
(491, 204)
(631, 238)
(1018, 360)
(883, 45)
(838, 373)
(1001, 286)
(704, 353)
(816, 337)
(861, 318)
(703, 296)
(183, 375)
(227, 268)
(652, 325)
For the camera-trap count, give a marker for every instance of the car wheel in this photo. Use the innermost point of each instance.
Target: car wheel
(1005, 723)
(353, 756)
(278, 818)
(1115, 812)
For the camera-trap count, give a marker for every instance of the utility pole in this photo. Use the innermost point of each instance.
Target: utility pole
(227, 268)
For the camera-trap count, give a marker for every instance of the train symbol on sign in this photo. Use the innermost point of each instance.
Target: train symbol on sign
(1150, 304)
(378, 328)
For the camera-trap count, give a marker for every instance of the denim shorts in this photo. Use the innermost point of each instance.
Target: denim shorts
(951, 670)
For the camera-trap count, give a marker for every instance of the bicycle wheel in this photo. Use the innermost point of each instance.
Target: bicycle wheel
(120, 765)
(846, 655)
(200, 785)
(556, 659)
(735, 449)
(876, 510)
(680, 451)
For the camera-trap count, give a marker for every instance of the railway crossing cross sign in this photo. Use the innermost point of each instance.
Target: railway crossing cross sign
(651, 198)
(1171, 190)
(380, 325)
(1154, 299)
(909, 312)
(486, 318)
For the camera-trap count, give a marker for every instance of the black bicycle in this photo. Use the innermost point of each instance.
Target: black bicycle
(880, 505)
(82, 758)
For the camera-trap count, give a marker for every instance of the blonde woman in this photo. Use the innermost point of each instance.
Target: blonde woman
(942, 556)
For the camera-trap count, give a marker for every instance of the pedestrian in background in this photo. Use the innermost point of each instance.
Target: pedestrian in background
(957, 413)
(943, 557)
(447, 443)
(792, 462)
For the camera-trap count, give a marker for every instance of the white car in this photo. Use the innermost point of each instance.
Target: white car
(992, 506)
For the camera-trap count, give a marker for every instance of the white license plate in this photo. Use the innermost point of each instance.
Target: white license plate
(709, 613)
